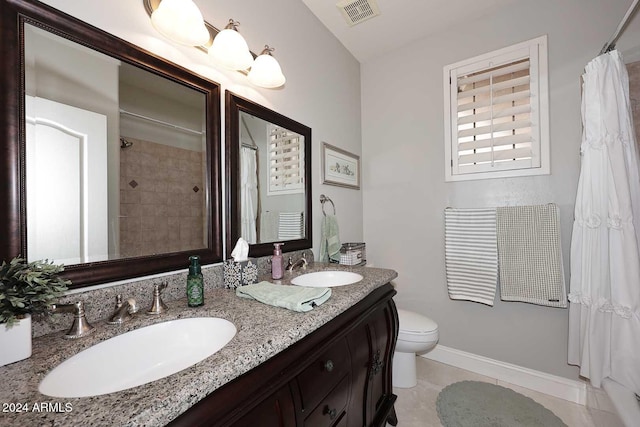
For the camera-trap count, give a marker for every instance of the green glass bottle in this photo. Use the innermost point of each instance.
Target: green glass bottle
(195, 283)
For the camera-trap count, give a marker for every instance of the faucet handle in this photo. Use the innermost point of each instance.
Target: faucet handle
(81, 326)
(158, 306)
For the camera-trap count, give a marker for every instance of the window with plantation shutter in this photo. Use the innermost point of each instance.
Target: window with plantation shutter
(285, 160)
(496, 113)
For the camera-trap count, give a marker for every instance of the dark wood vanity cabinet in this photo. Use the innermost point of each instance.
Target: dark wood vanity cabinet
(277, 410)
(338, 376)
(372, 345)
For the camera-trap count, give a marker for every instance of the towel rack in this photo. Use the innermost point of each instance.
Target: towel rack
(323, 199)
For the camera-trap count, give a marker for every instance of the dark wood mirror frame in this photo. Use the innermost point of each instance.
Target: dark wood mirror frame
(236, 104)
(13, 241)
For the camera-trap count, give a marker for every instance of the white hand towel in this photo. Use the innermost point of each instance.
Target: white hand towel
(269, 226)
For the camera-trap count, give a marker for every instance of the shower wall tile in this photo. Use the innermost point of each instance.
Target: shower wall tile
(160, 211)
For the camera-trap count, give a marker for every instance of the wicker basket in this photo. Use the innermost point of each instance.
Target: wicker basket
(353, 254)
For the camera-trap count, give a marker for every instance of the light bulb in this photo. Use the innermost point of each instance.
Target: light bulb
(230, 50)
(265, 71)
(181, 22)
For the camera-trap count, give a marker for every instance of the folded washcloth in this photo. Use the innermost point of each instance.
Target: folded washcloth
(296, 298)
(329, 239)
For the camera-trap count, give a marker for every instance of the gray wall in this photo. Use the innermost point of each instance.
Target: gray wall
(404, 188)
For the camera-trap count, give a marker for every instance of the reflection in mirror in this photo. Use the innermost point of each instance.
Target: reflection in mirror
(112, 152)
(272, 199)
(269, 186)
(119, 152)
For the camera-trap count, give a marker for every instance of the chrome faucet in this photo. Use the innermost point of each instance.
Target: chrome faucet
(123, 310)
(80, 327)
(302, 262)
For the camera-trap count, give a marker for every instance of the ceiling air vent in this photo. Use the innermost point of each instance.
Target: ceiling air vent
(357, 11)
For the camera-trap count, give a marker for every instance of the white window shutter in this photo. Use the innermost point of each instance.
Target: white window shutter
(496, 114)
(286, 161)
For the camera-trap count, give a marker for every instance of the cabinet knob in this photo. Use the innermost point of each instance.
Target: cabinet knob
(331, 412)
(328, 365)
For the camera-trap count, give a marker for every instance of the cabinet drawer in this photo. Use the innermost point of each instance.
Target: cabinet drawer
(322, 375)
(331, 410)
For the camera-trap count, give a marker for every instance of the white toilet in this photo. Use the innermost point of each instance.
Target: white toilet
(417, 334)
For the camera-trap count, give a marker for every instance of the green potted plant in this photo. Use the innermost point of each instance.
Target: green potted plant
(26, 288)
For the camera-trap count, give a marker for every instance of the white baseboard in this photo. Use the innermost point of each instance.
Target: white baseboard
(553, 385)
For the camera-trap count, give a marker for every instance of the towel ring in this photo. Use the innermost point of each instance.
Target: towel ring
(323, 199)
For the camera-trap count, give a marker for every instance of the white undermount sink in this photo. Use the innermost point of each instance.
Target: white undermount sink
(326, 279)
(138, 357)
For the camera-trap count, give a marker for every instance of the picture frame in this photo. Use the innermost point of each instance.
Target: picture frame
(340, 167)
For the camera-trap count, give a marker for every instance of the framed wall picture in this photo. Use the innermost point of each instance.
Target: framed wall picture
(339, 167)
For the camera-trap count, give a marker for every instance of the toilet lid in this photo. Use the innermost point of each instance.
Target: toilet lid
(415, 323)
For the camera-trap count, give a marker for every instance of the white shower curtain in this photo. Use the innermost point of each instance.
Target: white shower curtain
(248, 195)
(604, 314)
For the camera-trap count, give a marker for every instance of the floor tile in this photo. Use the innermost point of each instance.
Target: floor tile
(605, 419)
(416, 407)
(573, 414)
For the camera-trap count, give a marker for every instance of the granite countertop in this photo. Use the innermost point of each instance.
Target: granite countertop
(262, 332)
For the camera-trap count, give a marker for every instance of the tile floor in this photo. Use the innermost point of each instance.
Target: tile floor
(416, 407)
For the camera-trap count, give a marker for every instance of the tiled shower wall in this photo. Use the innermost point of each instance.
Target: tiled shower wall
(161, 199)
(634, 93)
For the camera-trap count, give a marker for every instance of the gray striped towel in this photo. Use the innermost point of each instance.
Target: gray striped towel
(530, 255)
(471, 257)
(290, 225)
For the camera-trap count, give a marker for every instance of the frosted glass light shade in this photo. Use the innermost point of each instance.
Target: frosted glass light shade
(180, 21)
(230, 50)
(266, 72)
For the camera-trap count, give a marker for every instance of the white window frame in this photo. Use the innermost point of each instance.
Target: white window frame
(279, 135)
(536, 51)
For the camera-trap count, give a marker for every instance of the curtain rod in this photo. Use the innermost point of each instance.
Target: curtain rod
(611, 44)
(161, 122)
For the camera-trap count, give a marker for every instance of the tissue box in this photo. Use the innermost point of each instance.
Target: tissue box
(240, 273)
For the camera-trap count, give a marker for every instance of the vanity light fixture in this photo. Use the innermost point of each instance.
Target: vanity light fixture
(265, 71)
(230, 50)
(180, 21)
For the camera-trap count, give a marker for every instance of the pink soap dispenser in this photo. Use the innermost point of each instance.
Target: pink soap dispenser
(276, 262)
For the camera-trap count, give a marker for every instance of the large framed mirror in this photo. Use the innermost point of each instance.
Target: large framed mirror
(110, 154)
(268, 157)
